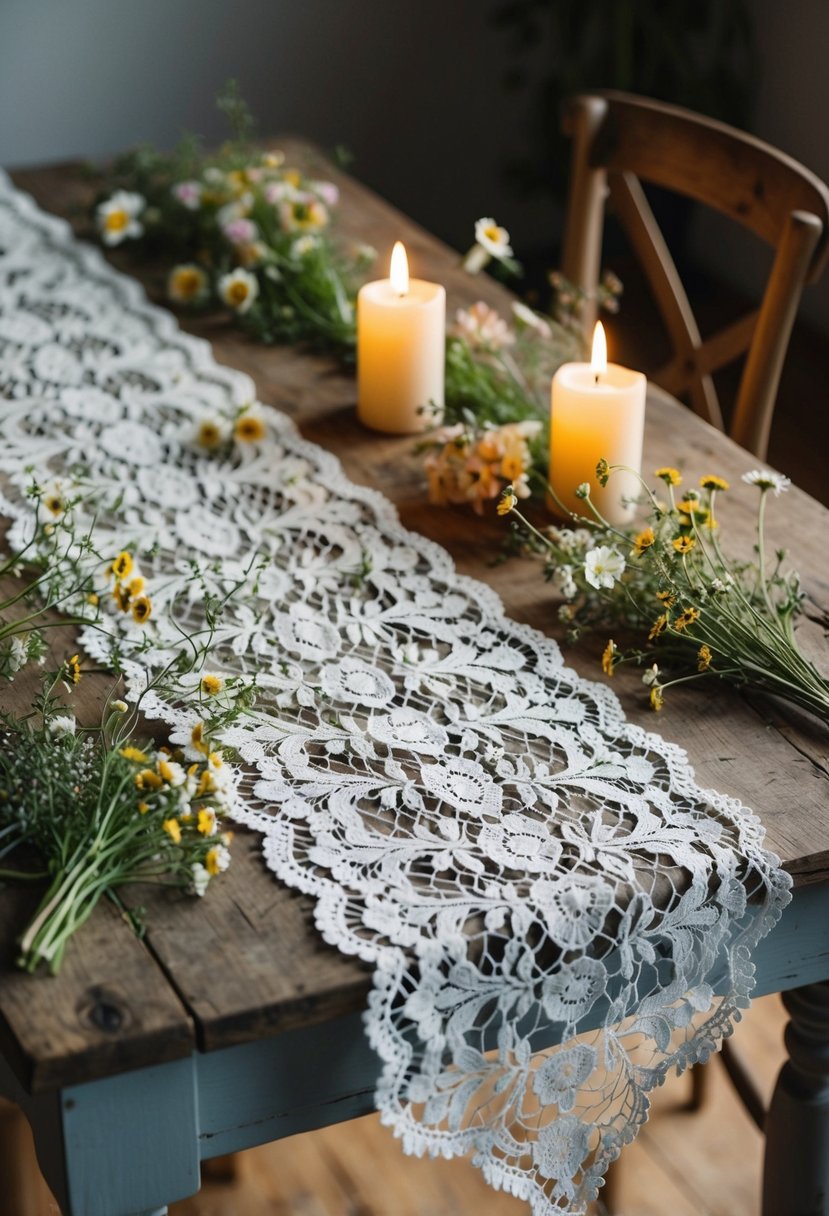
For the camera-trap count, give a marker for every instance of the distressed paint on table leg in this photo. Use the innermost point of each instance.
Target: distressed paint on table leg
(131, 1141)
(796, 1171)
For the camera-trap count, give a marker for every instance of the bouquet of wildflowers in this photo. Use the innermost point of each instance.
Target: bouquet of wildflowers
(100, 808)
(699, 612)
(103, 811)
(241, 229)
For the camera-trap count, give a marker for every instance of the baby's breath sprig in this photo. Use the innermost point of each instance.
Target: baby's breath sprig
(700, 612)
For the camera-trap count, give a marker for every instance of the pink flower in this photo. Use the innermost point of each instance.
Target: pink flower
(240, 231)
(482, 328)
(327, 191)
(188, 194)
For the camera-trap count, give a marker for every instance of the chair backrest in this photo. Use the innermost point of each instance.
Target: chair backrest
(619, 139)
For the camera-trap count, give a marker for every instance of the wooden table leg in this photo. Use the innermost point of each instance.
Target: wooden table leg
(796, 1170)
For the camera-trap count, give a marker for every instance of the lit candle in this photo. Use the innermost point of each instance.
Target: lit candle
(598, 411)
(401, 347)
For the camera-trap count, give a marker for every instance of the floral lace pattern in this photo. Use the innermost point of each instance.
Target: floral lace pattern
(556, 913)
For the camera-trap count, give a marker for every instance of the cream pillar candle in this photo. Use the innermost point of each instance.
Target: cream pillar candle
(401, 348)
(598, 411)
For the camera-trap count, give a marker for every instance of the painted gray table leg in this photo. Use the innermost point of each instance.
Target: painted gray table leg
(796, 1171)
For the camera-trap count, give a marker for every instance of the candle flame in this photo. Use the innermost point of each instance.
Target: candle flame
(598, 360)
(399, 269)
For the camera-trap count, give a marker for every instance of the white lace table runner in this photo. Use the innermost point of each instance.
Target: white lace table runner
(482, 825)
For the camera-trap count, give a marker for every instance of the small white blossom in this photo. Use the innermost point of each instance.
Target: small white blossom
(199, 881)
(767, 480)
(239, 289)
(651, 676)
(120, 707)
(18, 655)
(117, 217)
(603, 566)
(563, 579)
(62, 726)
(492, 238)
(221, 858)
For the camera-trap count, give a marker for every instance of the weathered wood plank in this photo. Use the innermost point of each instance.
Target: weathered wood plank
(248, 962)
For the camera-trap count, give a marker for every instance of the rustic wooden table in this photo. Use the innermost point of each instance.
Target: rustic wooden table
(232, 1024)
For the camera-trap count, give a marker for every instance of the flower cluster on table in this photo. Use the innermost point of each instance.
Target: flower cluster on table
(698, 612)
(100, 808)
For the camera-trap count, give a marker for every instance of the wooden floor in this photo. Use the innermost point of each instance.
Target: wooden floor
(705, 1164)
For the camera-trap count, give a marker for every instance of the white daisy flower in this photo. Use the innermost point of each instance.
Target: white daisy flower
(651, 676)
(493, 239)
(303, 245)
(117, 217)
(239, 289)
(766, 480)
(603, 566)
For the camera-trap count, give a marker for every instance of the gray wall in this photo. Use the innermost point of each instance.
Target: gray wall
(411, 87)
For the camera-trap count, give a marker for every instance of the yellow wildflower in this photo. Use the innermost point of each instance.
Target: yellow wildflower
(692, 506)
(187, 284)
(293, 177)
(209, 435)
(644, 540)
(173, 830)
(135, 586)
(704, 657)
(73, 669)
(148, 780)
(92, 599)
(659, 626)
(211, 684)
(249, 429)
(686, 618)
(667, 598)
(143, 807)
(54, 504)
(215, 760)
(206, 784)
(122, 597)
(135, 754)
(142, 609)
(512, 466)
(507, 501)
(656, 698)
(122, 565)
(683, 544)
(197, 738)
(712, 482)
(165, 772)
(206, 822)
(609, 658)
(671, 476)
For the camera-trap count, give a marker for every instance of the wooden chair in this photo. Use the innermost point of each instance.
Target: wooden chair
(619, 139)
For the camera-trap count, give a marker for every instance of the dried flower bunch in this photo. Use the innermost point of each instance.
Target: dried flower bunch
(699, 612)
